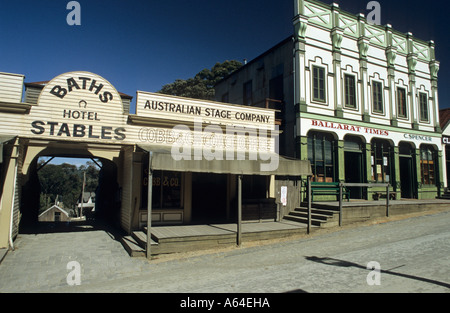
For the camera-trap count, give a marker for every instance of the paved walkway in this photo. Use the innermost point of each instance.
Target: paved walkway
(414, 254)
(39, 261)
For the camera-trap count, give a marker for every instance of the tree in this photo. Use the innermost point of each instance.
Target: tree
(65, 182)
(202, 85)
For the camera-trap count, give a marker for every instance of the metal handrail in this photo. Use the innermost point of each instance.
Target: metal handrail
(341, 186)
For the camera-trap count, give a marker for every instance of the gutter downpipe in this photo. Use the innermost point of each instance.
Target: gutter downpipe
(149, 205)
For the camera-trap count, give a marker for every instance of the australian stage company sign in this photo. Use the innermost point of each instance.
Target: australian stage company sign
(183, 109)
(79, 105)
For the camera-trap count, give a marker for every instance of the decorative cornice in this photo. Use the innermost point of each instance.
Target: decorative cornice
(300, 25)
(337, 34)
(363, 45)
(434, 69)
(412, 62)
(391, 54)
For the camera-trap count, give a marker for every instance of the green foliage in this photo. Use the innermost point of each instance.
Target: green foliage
(65, 182)
(202, 85)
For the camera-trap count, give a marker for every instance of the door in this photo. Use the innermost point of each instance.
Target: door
(354, 173)
(209, 197)
(406, 177)
(447, 164)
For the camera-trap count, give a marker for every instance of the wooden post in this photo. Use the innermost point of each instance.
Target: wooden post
(82, 194)
(309, 203)
(239, 224)
(340, 204)
(149, 205)
(387, 200)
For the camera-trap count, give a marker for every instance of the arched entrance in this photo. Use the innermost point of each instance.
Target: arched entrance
(106, 196)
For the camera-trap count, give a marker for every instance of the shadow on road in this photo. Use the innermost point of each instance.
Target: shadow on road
(343, 263)
(81, 226)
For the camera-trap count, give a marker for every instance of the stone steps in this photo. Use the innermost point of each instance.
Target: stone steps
(320, 217)
(136, 244)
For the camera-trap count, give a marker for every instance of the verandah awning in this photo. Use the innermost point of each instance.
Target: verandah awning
(269, 164)
(161, 159)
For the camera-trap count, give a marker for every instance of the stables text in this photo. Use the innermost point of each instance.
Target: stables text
(77, 130)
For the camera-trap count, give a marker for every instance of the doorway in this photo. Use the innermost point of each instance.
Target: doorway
(406, 177)
(209, 197)
(407, 173)
(354, 165)
(354, 173)
(447, 164)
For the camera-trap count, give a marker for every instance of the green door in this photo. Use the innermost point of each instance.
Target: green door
(354, 173)
(406, 177)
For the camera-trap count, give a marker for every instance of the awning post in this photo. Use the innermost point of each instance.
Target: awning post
(340, 203)
(309, 202)
(387, 200)
(239, 224)
(149, 205)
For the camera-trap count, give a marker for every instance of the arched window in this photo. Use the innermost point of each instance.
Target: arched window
(382, 165)
(321, 154)
(428, 157)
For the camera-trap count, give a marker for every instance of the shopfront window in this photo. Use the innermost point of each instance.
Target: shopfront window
(428, 156)
(166, 192)
(381, 159)
(321, 154)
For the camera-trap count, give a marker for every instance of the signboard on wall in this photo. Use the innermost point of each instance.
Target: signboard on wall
(78, 106)
(184, 109)
(84, 107)
(369, 132)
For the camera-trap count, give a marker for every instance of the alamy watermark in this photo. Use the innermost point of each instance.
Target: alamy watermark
(73, 278)
(74, 16)
(374, 16)
(374, 277)
(211, 142)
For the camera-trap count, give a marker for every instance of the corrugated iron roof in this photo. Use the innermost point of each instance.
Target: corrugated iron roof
(444, 117)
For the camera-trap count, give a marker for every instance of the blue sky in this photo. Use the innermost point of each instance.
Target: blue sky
(142, 45)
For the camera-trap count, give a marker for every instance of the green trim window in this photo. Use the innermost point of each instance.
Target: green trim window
(423, 105)
(350, 91)
(401, 103)
(381, 159)
(428, 157)
(322, 156)
(377, 97)
(319, 84)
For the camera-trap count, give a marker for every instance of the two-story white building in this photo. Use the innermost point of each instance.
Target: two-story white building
(358, 100)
